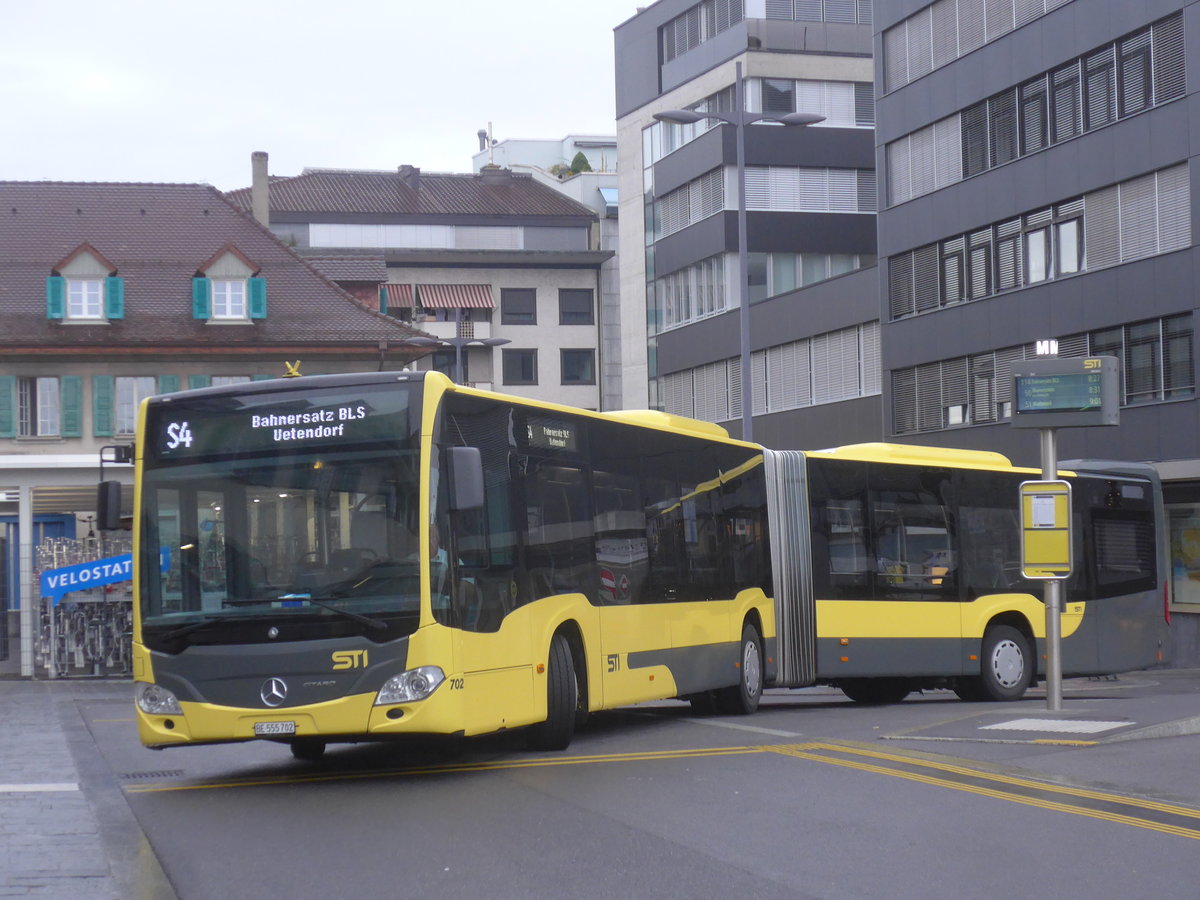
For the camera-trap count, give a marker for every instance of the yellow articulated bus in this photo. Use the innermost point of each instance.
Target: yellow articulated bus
(364, 557)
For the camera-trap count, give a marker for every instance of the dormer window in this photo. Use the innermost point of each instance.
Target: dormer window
(229, 289)
(84, 287)
(228, 299)
(85, 298)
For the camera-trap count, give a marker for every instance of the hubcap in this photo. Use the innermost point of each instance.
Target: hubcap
(1008, 664)
(752, 669)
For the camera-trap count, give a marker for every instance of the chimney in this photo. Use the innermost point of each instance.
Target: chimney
(483, 138)
(494, 174)
(260, 191)
(410, 176)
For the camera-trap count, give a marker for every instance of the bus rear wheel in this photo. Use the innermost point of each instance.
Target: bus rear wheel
(562, 700)
(742, 698)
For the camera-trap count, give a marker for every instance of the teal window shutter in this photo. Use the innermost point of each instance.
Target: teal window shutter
(262, 377)
(70, 390)
(257, 289)
(114, 297)
(383, 300)
(102, 405)
(199, 381)
(56, 294)
(201, 298)
(8, 394)
(168, 384)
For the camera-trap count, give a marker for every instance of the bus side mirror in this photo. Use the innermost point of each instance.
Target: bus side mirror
(108, 506)
(465, 465)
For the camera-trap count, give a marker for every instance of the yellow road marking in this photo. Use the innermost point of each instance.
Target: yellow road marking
(815, 753)
(851, 756)
(448, 768)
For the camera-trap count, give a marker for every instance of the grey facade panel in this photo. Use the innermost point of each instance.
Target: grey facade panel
(820, 427)
(711, 53)
(839, 148)
(825, 306)
(766, 232)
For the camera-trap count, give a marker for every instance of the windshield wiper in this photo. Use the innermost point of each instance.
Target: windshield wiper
(190, 627)
(373, 624)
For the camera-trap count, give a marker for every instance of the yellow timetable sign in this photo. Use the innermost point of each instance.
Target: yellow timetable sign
(1046, 530)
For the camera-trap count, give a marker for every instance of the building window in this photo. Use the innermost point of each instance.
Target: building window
(228, 298)
(518, 306)
(38, 407)
(575, 306)
(229, 379)
(520, 366)
(85, 298)
(1141, 217)
(130, 392)
(578, 366)
(1157, 363)
(1120, 79)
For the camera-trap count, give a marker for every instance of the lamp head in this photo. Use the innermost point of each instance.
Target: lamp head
(679, 116)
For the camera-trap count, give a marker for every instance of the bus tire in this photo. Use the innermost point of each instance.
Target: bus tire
(562, 700)
(308, 749)
(1006, 664)
(742, 698)
(875, 691)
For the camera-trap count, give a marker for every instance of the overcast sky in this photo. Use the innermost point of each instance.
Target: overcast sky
(165, 91)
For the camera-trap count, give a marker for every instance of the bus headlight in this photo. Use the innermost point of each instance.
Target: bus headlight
(156, 700)
(415, 684)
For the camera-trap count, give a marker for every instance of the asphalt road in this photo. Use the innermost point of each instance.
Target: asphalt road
(811, 797)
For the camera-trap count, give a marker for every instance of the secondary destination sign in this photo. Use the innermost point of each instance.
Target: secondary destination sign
(1052, 392)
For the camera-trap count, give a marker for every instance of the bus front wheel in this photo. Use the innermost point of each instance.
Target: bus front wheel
(742, 698)
(562, 700)
(1006, 665)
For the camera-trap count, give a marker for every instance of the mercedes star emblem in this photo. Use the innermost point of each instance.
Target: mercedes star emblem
(273, 691)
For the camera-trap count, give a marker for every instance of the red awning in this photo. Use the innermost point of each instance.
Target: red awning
(398, 295)
(455, 296)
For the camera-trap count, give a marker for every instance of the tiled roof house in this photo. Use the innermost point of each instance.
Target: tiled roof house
(111, 292)
(491, 257)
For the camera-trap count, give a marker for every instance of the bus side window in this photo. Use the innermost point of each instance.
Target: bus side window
(914, 547)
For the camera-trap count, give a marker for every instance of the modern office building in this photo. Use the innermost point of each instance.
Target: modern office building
(810, 200)
(1036, 172)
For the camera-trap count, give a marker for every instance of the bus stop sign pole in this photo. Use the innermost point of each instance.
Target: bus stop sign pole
(1049, 393)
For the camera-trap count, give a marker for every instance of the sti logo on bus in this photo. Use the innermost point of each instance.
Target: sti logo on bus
(349, 659)
(179, 434)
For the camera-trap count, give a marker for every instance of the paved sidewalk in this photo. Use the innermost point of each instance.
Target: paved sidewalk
(65, 829)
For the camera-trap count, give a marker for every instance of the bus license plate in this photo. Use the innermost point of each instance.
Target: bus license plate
(264, 728)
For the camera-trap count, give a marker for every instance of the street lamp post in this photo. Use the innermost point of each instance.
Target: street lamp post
(739, 119)
(458, 342)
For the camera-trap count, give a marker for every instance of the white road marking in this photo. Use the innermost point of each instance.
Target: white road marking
(754, 728)
(1059, 726)
(50, 787)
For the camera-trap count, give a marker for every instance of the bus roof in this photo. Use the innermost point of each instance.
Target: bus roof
(913, 454)
(656, 419)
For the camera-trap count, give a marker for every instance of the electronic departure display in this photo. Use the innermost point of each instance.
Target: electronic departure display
(1051, 392)
(206, 424)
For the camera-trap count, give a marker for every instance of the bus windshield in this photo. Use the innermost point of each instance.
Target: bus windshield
(254, 533)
